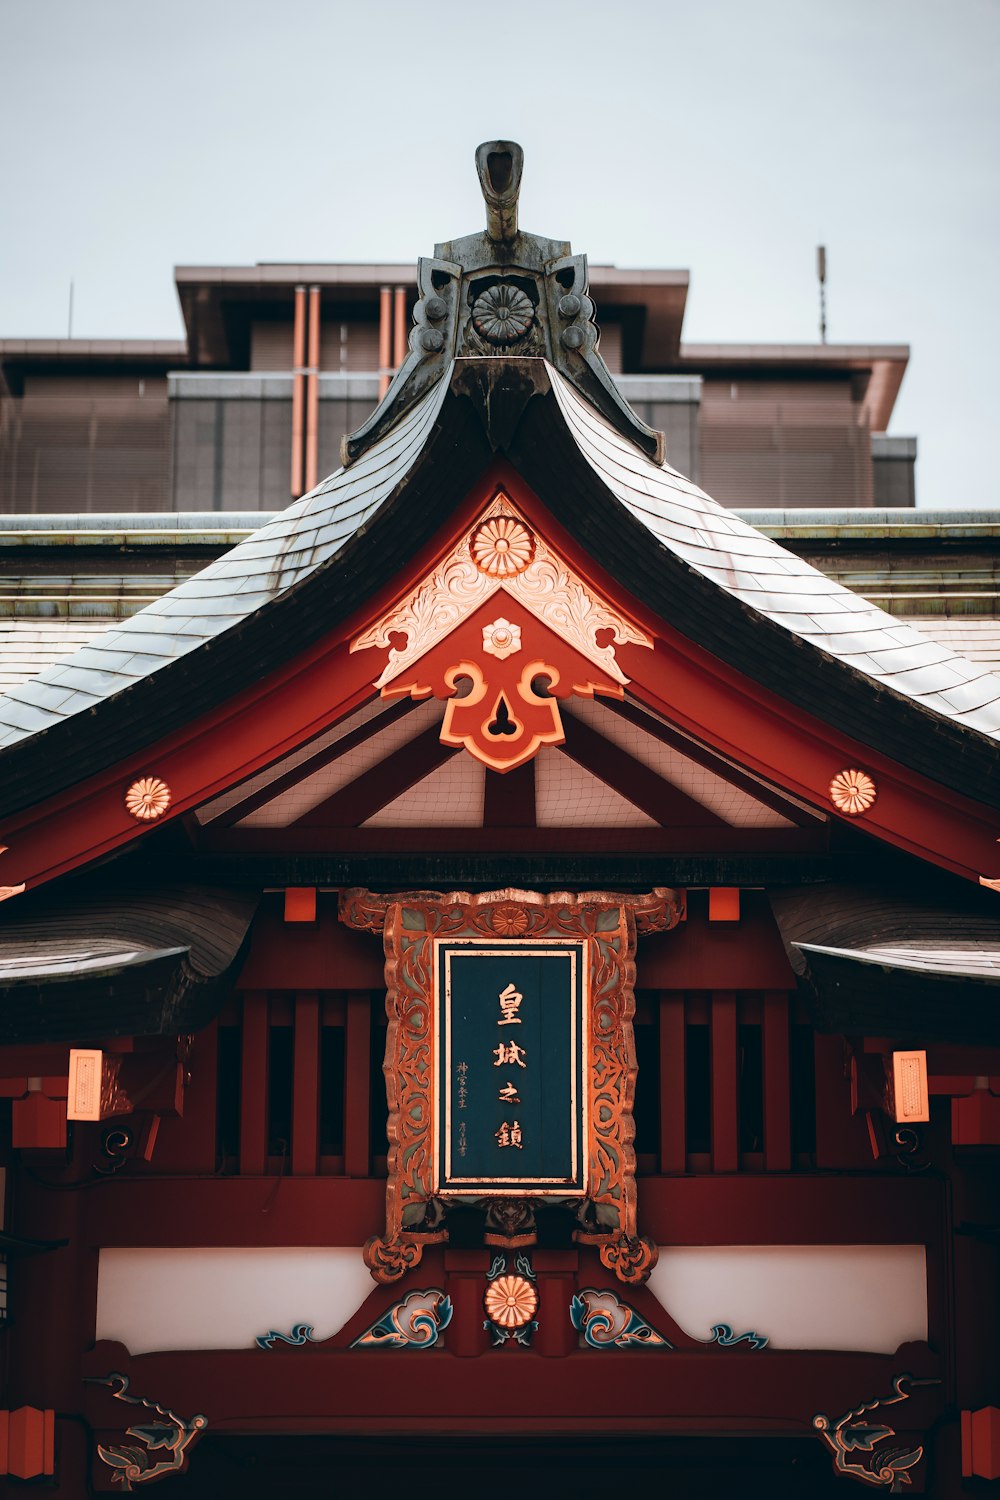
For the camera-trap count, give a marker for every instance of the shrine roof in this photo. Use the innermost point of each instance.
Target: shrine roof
(115, 961)
(437, 447)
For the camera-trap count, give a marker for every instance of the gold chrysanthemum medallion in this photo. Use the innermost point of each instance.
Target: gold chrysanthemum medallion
(510, 1301)
(502, 547)
(852, 792)
(147, 799)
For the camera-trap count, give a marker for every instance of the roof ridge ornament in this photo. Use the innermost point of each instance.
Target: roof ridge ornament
(503, 292)
(500, 164)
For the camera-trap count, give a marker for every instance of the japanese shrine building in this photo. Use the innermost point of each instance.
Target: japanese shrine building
(498, 974)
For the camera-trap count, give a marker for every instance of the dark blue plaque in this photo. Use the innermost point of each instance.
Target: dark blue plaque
(511, 1043)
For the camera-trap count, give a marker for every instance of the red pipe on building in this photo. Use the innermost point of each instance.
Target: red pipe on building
(312, 391)
(298, 388)
(399, 327)
(384, 339)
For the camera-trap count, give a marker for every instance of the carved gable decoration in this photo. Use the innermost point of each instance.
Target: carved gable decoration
(503, 629)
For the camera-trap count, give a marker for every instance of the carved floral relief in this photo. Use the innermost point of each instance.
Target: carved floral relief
(549, 637)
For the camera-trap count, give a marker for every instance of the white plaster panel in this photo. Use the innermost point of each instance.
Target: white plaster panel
(860, 1297)
(224, 1298)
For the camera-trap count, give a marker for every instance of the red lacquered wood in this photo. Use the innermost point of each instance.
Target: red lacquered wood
(725, 1083)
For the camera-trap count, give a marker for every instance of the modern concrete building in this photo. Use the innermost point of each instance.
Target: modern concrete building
(279, 362)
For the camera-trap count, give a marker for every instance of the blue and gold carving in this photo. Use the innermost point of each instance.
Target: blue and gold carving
(302, 1333)
(414, 1323)
(510, 1301)
(856, 1434)
(724, 1335)
(606, 1322)
(170, 1437)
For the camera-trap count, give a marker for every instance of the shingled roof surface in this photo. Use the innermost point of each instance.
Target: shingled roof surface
(305, 538)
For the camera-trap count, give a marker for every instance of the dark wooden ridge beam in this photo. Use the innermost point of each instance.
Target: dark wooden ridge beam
(627, 776)
(509, 800)
(315, 762)
(694, 750)
(362, 798)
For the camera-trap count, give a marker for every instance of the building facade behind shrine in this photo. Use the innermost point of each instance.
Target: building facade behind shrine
(499, 958)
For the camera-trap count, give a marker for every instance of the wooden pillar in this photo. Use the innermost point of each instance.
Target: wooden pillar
(673, 1099)
(357, 1086)
(399, 327)
(312, 392)
(725, 1083)
(305, 1087)
(777, 1083)
(253, 1085)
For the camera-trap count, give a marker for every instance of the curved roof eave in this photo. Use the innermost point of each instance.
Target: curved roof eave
(732, 590)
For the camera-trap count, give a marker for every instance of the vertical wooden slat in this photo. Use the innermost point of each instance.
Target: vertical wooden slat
(673, 1103)
(725, 1084)
(253, 1084)
(357, 1089)
(384, 339)
(777, 1084)
(305, 1087)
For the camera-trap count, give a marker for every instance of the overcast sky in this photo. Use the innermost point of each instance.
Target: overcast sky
(729, 137)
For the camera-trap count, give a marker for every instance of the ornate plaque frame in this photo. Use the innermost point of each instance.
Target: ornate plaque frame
(606, 923)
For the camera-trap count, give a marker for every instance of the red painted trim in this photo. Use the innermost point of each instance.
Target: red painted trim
(747, 1208)
(678, 680)
(657, 798)
(334, 1390)
(301, 839)
(364, 796)
(725, 1083)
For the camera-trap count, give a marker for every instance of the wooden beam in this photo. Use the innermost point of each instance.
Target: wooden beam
(725, 1083)
(305, 1086)
(315, 762)
(702, 756)
(372, 790)
(357, 1086)
(659, 799)
(510, 798)
(673, 1101)
(777, 1083)
(253, 1084)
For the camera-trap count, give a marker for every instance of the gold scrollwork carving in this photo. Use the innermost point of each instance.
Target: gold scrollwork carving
(411, 924)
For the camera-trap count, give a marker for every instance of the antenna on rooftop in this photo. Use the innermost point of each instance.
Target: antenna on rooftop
(821, 273)
(69, 330)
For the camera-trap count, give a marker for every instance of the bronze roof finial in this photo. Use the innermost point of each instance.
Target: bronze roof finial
(499, 164)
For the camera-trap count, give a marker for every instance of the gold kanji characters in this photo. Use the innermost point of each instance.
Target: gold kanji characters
(509, 1095)
(511, 1054)
(509, 1135)
(510, 1003)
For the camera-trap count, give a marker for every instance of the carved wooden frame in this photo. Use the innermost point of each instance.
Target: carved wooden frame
(607, 923)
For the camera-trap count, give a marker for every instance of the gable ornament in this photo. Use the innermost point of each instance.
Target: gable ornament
(502, 629)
